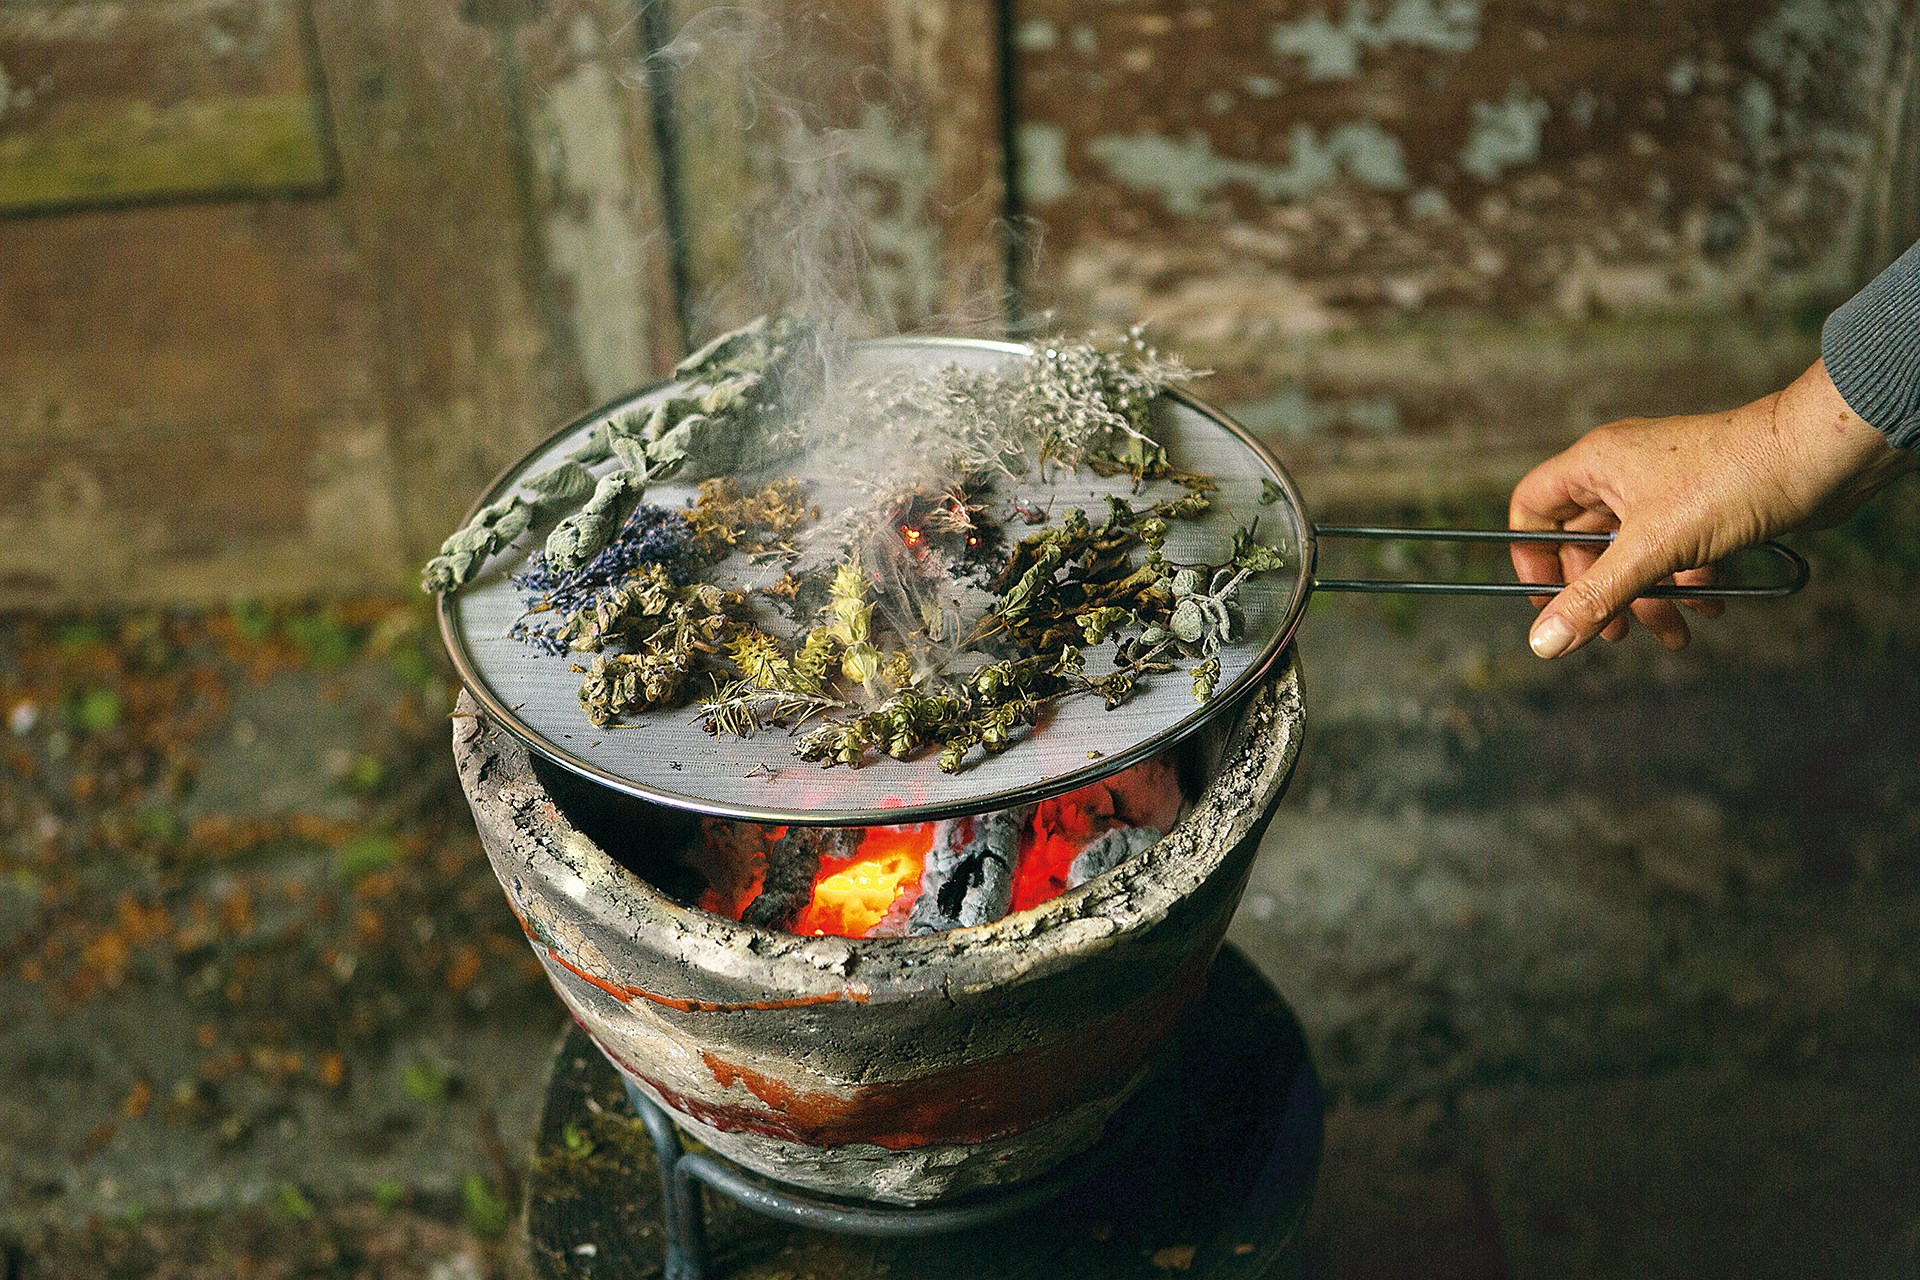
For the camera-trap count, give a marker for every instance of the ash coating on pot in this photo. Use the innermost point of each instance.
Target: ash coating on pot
(665, 755)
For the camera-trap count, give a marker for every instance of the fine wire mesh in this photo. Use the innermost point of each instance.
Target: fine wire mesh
(666, 755)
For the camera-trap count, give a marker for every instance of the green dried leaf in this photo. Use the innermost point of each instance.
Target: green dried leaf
(97, 710)
(426, 1083)
(290, 1205)
(487, 1211)
(584, 534)
(1255, 557)
(461, 555)
(324, 640)
(567, 481)
(1206, 675)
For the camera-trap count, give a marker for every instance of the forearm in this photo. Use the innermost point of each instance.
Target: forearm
(1871, 349)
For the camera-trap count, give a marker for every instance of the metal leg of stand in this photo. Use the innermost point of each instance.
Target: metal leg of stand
(682, 1206)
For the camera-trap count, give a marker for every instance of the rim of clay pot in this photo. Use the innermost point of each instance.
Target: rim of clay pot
(1253, 752)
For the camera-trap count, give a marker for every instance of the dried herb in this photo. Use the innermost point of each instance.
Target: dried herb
(619, 580)
(726, 519)
(585, 533)
(1069, 584)
(464, 551)
(650, 537)
(741, 392)
(668, 635)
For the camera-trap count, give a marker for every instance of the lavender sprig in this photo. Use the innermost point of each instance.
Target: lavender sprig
(651, 535)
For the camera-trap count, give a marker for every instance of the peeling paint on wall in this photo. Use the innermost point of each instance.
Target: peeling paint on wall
(1185, 172)
(1505, 134)
(1036, 36)
(589, 241)
(1040, 152)
(1333, 52)
(107, 103)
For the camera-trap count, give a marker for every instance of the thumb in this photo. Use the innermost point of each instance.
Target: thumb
(1585, 605)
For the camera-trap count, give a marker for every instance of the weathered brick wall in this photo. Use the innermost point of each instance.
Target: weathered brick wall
(264, 394)
(1423, 240)
(279, 304)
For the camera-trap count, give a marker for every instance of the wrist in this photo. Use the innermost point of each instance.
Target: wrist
(1831, 458)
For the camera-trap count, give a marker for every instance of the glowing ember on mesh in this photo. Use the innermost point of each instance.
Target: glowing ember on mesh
(876, 882)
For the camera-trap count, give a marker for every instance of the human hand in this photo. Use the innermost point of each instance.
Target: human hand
(1682, 493)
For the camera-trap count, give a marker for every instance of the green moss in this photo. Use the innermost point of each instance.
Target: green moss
(254, 619)
(291, 1205)
(427, 1083)
(323, 639)
(364, 855)
(487, 1211)
(133, 150)
(365, 775)
(80, 633)
(96, 710)
(601, 1149)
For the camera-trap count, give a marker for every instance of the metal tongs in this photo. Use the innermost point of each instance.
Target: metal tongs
(1797, 569)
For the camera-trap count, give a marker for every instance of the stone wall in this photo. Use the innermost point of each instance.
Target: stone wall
(286, 281)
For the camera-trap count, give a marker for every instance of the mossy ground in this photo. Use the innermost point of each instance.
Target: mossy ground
(239, 832)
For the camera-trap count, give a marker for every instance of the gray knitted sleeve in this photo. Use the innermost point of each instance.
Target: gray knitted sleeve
(1872, 349)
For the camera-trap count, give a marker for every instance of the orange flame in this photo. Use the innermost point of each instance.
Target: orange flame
(851, 896)
(872, 892)
(1062, 826)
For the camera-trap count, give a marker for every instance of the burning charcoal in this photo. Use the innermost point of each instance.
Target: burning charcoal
(1108, 852)
(969, 873)
(732, 858)
(894, 923)
(1148, 795)
(1079, 816)
(793, 862)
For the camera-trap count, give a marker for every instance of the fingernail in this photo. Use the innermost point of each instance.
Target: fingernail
(1550, 637)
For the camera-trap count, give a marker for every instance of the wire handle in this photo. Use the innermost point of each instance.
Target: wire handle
(1797, 567)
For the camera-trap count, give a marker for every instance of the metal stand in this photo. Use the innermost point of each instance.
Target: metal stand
(684, 1213)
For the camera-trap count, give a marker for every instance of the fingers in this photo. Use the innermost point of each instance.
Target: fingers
(1543, 502)
(1536, 562)
(1663, 620)
(1701, 577)
(1593, 601)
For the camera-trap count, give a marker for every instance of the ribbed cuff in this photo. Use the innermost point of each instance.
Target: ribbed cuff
(1871, 346)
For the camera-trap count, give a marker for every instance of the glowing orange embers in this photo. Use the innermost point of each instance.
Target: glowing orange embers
(879, 883)
(893, 881)
(1063, 826)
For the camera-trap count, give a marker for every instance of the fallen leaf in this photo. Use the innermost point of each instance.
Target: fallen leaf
(1175, 1257)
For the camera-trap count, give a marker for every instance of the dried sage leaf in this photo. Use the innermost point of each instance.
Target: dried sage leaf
(461, 555)
(584, 534)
